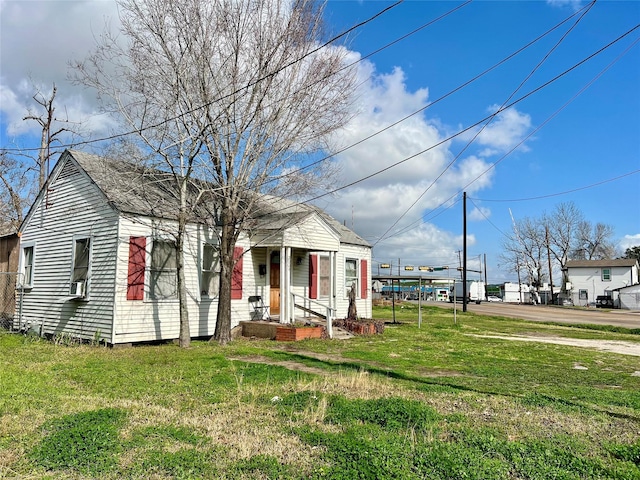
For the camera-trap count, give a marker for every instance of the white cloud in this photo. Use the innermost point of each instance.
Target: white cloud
(575, 5)
(629, 241)
(479, 214)
(411, 184)
(52, 34)
(501, 135)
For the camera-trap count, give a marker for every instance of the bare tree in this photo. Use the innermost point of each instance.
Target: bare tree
(511, 257)
(235, 92)
(16, 194)
(533, 241)
(562, 225)
(593, 241)
(52, 129)
(526, 249)
(17, 169)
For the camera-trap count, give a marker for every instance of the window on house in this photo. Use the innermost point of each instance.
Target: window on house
(81, 259)
(606, 274)
(324, 277)
(163, 271)
(210, 271)
(27, 266)
(350, 275)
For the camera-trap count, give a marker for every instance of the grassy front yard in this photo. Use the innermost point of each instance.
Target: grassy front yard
(439, 402)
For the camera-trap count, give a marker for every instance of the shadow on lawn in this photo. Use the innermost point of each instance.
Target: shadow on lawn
(439, 384)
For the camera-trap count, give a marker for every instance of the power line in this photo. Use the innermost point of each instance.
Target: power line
(422, 219)
(566, 192)
(497, 112)
(239, 90)
(437, 100)
(487, 218)
(488, 122)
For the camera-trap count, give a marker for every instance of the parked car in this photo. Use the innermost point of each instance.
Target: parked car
(493, 298)
(603, 301)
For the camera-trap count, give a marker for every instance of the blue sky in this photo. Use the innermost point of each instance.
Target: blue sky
(578, 131)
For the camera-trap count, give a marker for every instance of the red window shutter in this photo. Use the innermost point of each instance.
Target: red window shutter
(135, 276)
(236, 275)
(364, 279)
(313, 276)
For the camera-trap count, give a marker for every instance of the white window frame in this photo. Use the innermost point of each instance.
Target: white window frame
(23, 264)
(605, 277)
(149, 280)
(214, 272)
(349, 279)
(72, 278)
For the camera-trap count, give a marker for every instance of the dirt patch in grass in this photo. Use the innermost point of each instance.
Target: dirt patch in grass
(296, 366)
(613, 346)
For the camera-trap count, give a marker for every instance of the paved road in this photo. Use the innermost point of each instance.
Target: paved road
(541, 313)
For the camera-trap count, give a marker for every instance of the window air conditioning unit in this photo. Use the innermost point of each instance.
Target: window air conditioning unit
(77, 289)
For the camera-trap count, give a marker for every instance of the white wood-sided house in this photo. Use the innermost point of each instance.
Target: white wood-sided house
(591, 278)
(98, 261)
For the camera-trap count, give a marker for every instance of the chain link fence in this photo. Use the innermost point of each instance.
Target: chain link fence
(10, 298)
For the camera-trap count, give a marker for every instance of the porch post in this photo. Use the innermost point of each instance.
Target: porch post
(283, 286)
(332, 275)
(332, 298)
(288, 273)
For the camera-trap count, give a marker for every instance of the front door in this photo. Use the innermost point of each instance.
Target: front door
(274, 284)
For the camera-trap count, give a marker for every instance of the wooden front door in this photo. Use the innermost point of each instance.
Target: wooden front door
(274, 284)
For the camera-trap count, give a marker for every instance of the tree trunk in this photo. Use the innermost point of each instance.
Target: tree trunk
(185, 334)
(353, 311)
(227, 244)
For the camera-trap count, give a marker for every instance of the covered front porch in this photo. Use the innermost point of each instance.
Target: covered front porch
(283, 288)
(286, 271)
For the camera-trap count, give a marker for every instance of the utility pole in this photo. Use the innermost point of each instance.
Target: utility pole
(486, 295)
(515, 229)
(464, 251)
(546, 232)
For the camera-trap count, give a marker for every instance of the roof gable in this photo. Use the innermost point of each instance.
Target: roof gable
(65, 167)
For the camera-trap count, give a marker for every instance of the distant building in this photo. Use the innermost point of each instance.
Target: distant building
(589, 279)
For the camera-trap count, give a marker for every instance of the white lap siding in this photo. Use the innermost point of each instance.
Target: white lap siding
(363, 305)
(72, 207)
(148, 319)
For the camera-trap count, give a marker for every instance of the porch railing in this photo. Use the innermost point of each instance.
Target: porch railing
(314, 307)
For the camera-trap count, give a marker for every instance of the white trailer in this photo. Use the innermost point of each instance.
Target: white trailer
(514, 293)
(475, 291)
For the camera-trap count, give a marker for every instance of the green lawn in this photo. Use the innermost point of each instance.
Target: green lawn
(436, 402)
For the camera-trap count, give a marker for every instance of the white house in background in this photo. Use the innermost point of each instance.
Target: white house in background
(589, 279)
(97, 255)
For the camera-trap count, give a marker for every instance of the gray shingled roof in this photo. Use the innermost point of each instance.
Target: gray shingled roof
(135, 189)
(132, 188)
(618, 262)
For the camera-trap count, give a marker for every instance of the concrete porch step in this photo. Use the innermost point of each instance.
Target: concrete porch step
(338, 333)
(267, 329)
